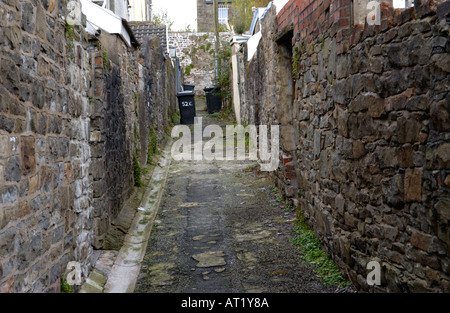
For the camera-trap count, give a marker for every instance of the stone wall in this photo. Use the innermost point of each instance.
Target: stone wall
(73, 112)
(364, 134)
(265, 82)
(112, 125)
(132, 92)
(196, 53)
(44, 150)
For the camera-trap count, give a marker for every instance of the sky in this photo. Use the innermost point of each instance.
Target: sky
(399, 3)
(184, 12)
(181, 12)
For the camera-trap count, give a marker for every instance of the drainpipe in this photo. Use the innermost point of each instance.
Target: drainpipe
(216, 30)
(236, 80)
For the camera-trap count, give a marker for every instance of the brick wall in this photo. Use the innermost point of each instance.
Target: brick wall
(309, 18)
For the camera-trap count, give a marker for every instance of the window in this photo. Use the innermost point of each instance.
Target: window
(403, 4)
(223, 14)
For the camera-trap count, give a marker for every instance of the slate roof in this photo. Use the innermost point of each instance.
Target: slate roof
(142, 30)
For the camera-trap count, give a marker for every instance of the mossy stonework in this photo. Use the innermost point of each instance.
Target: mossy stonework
(74, 110)
(363, 131)
(196, 53)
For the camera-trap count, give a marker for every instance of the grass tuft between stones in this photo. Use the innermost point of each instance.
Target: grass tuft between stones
(65, 287)
(313, 254)
(137, 172)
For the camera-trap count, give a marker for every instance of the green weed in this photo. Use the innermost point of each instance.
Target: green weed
(65, 287)
(152, 145)
(295, 63)
(215, 115)
(312, 253)
(188, 69)
(137, 172)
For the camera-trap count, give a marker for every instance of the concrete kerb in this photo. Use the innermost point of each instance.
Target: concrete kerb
(124, 272)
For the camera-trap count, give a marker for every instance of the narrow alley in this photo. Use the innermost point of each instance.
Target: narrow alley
(344, 187)
(220, 229)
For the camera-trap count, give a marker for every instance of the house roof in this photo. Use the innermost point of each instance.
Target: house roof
(143, 30)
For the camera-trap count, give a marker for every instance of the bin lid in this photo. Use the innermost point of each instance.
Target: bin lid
(191, 85)
(185, 93)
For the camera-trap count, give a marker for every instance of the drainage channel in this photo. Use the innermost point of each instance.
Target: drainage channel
(123, 272)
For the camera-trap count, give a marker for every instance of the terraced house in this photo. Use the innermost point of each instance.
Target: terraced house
(205, 14)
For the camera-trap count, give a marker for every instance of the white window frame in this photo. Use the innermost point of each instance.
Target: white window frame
(223, 14)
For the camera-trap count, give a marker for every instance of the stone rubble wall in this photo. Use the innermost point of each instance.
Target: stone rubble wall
(74, 110)
(365, 134)
(196, 50)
